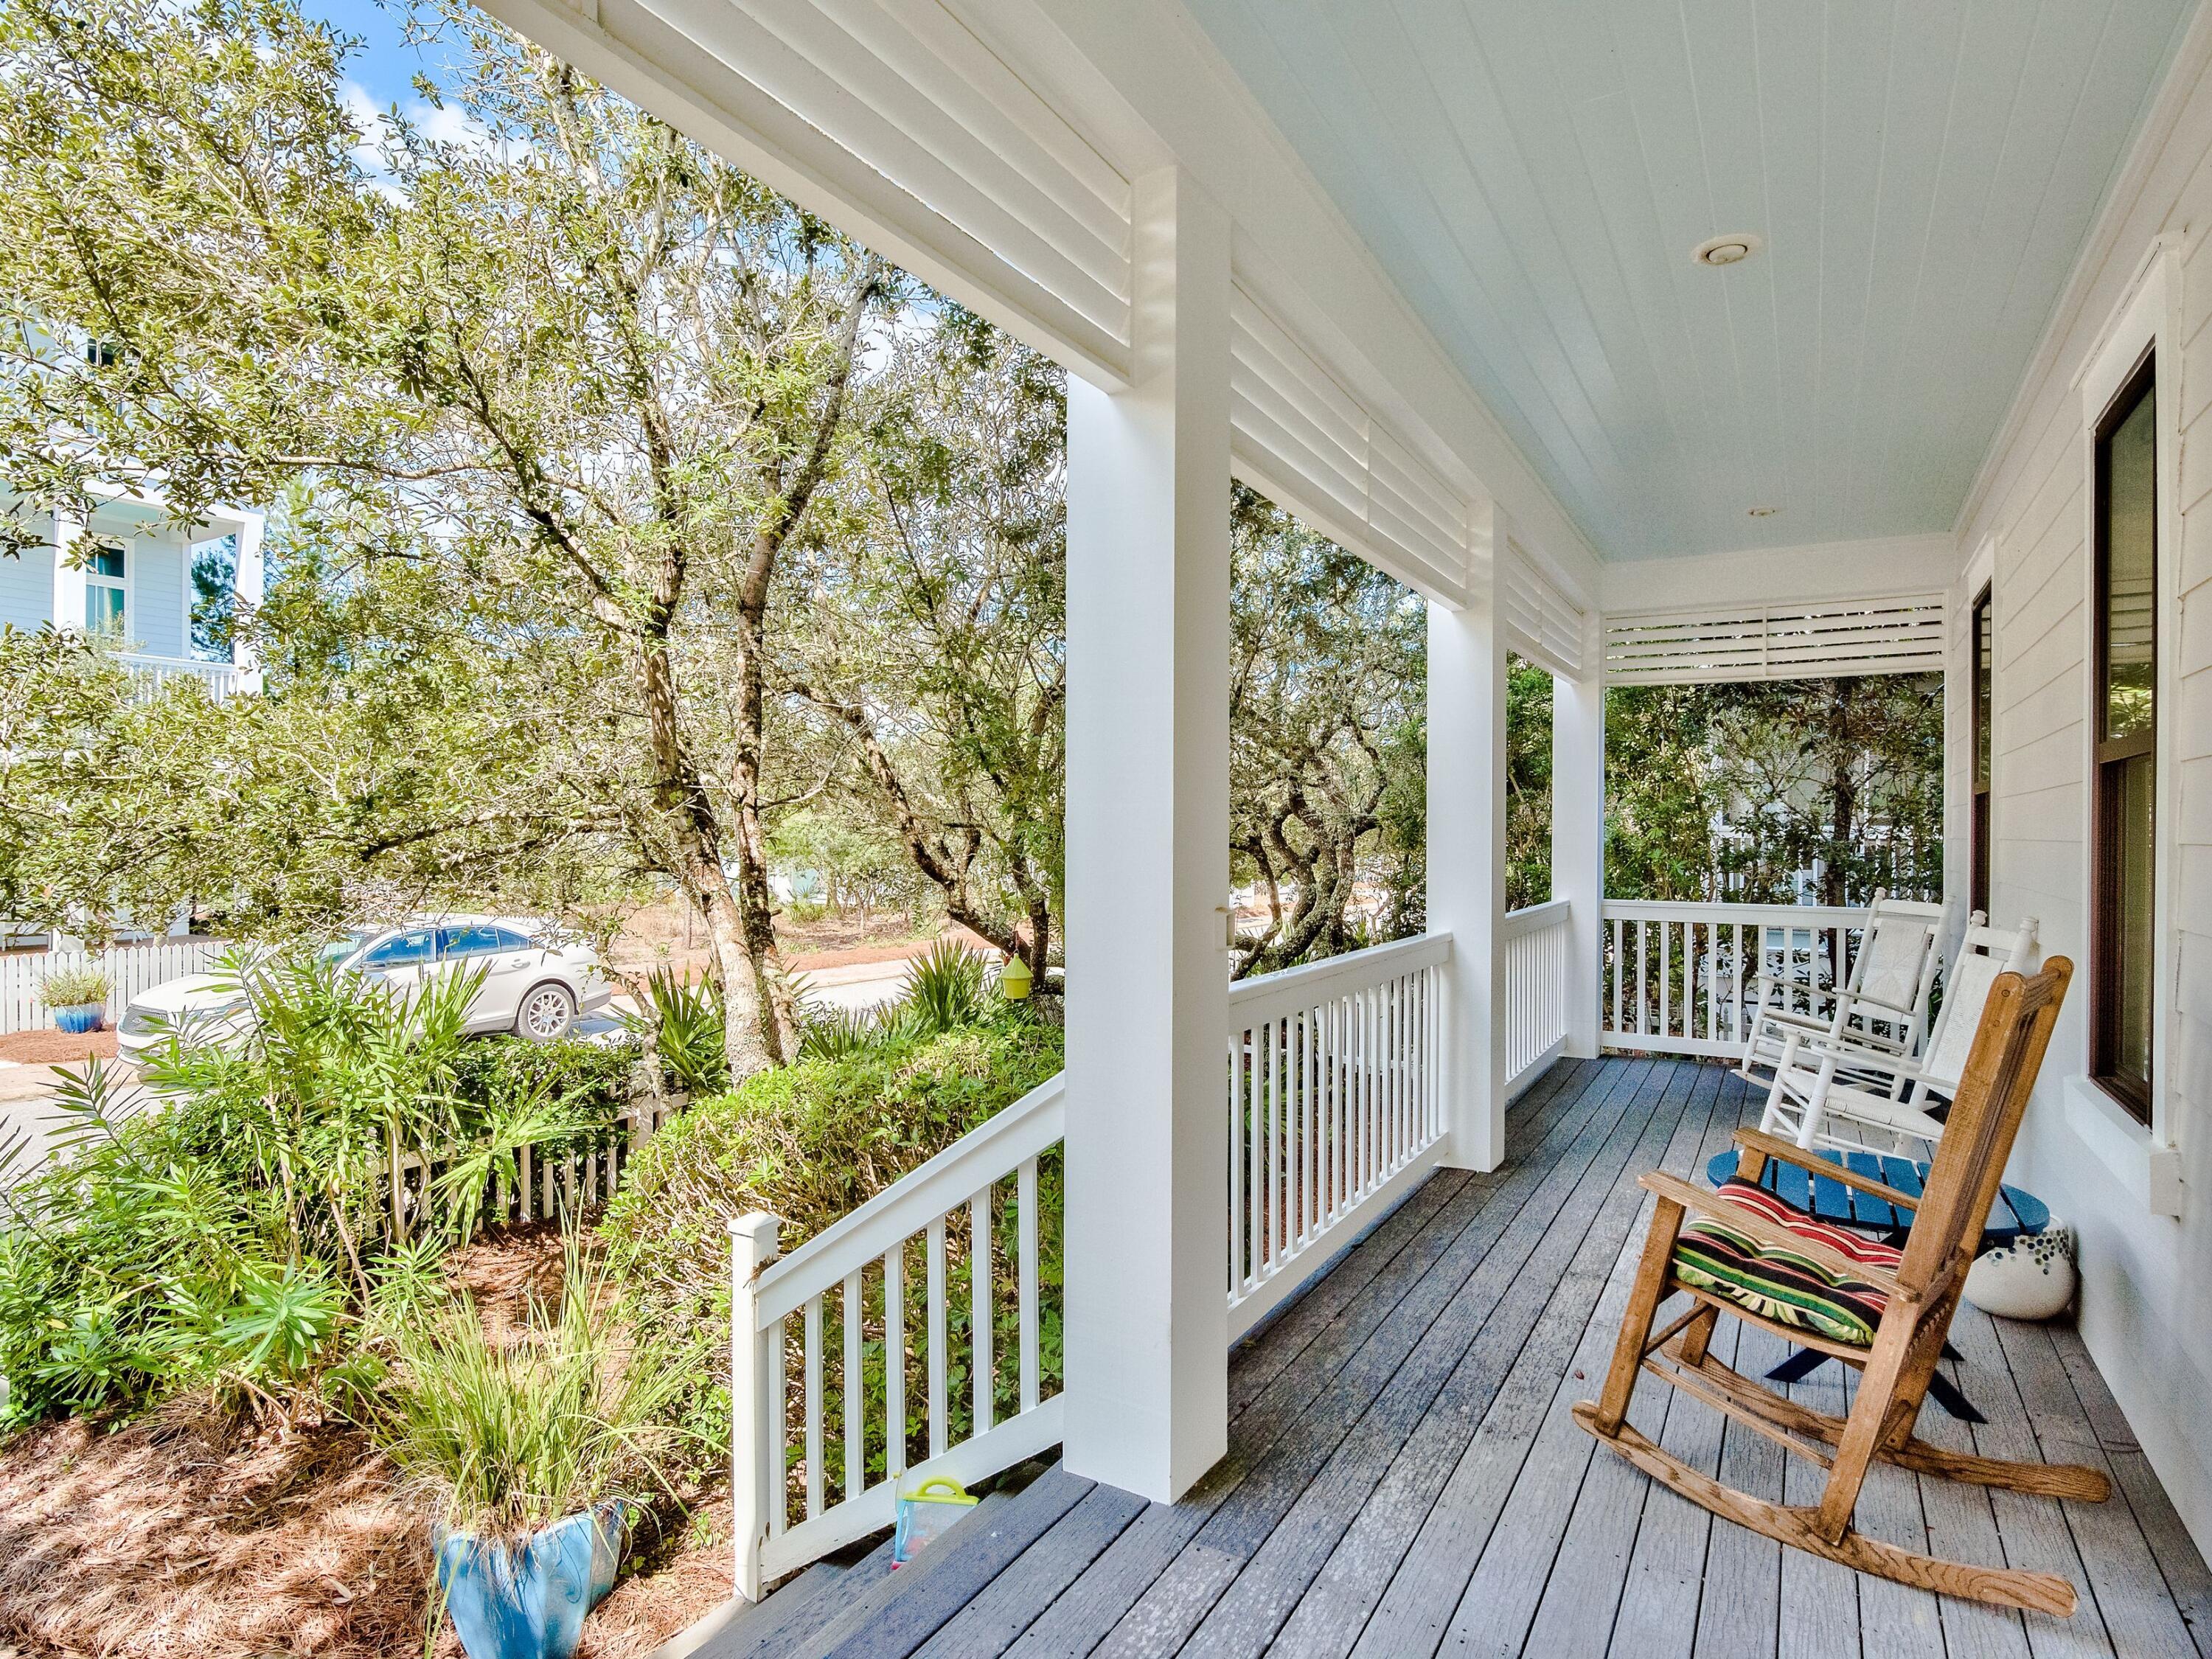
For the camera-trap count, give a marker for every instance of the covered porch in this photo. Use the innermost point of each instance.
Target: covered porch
(1403, 1476)
(1558, 338)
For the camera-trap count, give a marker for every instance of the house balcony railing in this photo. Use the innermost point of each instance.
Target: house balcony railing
(149, 674)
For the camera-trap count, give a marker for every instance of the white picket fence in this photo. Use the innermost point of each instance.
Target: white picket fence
(549, 1184)
(130, 969)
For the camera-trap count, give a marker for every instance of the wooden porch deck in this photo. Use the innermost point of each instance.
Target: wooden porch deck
(1403, 1477)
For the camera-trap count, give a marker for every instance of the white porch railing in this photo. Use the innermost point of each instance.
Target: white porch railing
(149, 673)
(1335, 1105)
(851, 1404)
(1677, 977)
(130, 969)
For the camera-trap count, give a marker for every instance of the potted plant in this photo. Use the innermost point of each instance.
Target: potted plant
(76, 997)
(532, 1448)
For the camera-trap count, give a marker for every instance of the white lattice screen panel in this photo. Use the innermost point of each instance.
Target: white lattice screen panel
(1299, 438)
(1541, 623)
(1899, 635)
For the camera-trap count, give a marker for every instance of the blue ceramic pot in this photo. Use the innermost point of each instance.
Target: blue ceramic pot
(527, 1601)
(78, 1020)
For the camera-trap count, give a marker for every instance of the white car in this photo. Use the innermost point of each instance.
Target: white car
(534, 985)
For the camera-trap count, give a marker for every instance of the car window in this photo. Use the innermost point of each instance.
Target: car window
(471, 941)
(511, 940)
(401, 950)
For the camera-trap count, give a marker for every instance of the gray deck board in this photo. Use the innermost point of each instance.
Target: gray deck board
(1404, 1477)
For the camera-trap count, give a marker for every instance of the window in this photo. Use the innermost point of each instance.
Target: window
(2124, 945)
(105, 591)
(401, 950)
(478, 941)
(1985, 686)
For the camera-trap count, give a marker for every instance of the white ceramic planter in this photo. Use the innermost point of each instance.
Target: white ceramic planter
(2032, 1278)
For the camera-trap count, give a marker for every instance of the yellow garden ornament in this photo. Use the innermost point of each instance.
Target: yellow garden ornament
(1015, 979)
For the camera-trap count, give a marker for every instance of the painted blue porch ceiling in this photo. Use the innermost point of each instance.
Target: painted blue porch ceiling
(1534, 174)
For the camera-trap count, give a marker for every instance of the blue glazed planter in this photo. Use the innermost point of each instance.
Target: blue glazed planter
(527, 1601)
(79, 1020)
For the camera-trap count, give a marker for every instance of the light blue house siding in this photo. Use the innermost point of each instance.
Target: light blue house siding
(159, 611)
(27, 589)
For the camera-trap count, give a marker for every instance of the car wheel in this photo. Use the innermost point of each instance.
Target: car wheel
(546, 1014)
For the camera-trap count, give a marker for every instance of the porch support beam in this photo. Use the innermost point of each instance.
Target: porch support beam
(69, 580)
(1466, 851)
(1578, 833)
(1147, 862)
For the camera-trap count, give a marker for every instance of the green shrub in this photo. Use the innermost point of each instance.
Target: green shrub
(808, 1143)
(73, 988)
(684, 1025)
(511, 1436)
(233, 1236)
(589, 1074)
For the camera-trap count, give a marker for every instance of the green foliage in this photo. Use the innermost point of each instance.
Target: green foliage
(1527, 783)
(945, 989)
(808, 1143)
(684, 1025)
(1328, 670)
(232, 1235)
(1738, 792)
(73, 988)
(837, 1033)
(512, 1436)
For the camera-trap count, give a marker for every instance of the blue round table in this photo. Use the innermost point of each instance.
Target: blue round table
(2015, 1214)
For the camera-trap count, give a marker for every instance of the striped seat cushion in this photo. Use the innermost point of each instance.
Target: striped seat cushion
(1780, 1284)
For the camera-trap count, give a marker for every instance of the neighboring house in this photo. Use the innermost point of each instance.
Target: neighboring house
(126, 576)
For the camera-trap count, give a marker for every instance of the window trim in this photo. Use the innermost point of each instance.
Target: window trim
(124, 584)
(2144, 320)
(1980, 792)
(2108, 756)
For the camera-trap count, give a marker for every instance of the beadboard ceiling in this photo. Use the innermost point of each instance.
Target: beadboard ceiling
(1534, 174)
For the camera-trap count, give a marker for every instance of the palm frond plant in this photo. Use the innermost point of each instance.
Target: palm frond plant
(836, 1033)
(946, 988)
(683, 1021)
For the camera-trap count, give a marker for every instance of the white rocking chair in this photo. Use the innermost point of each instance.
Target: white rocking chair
(1882, 1006)
(1831, 1090)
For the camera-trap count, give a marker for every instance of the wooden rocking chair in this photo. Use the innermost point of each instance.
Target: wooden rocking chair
(1916, 1298)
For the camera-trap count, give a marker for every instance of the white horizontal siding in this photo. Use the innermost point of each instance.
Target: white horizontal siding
(2144, 1291)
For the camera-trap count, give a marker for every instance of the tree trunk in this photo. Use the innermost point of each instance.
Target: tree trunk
(679, 792)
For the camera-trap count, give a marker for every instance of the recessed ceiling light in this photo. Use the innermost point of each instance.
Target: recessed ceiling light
(1732, 249)
(1762, 512)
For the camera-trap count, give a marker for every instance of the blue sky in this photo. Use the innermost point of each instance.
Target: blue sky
(385, 66)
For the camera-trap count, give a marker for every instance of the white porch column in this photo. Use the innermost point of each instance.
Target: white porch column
(69, 580)
(1578, 833)
(1148, 871)
(1467, 854)
(247, 582)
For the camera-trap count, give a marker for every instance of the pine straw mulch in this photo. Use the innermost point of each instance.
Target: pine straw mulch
(190, 1532)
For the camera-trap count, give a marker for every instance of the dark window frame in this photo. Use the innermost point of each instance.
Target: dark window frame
(2109, 757)
(1981, 775)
